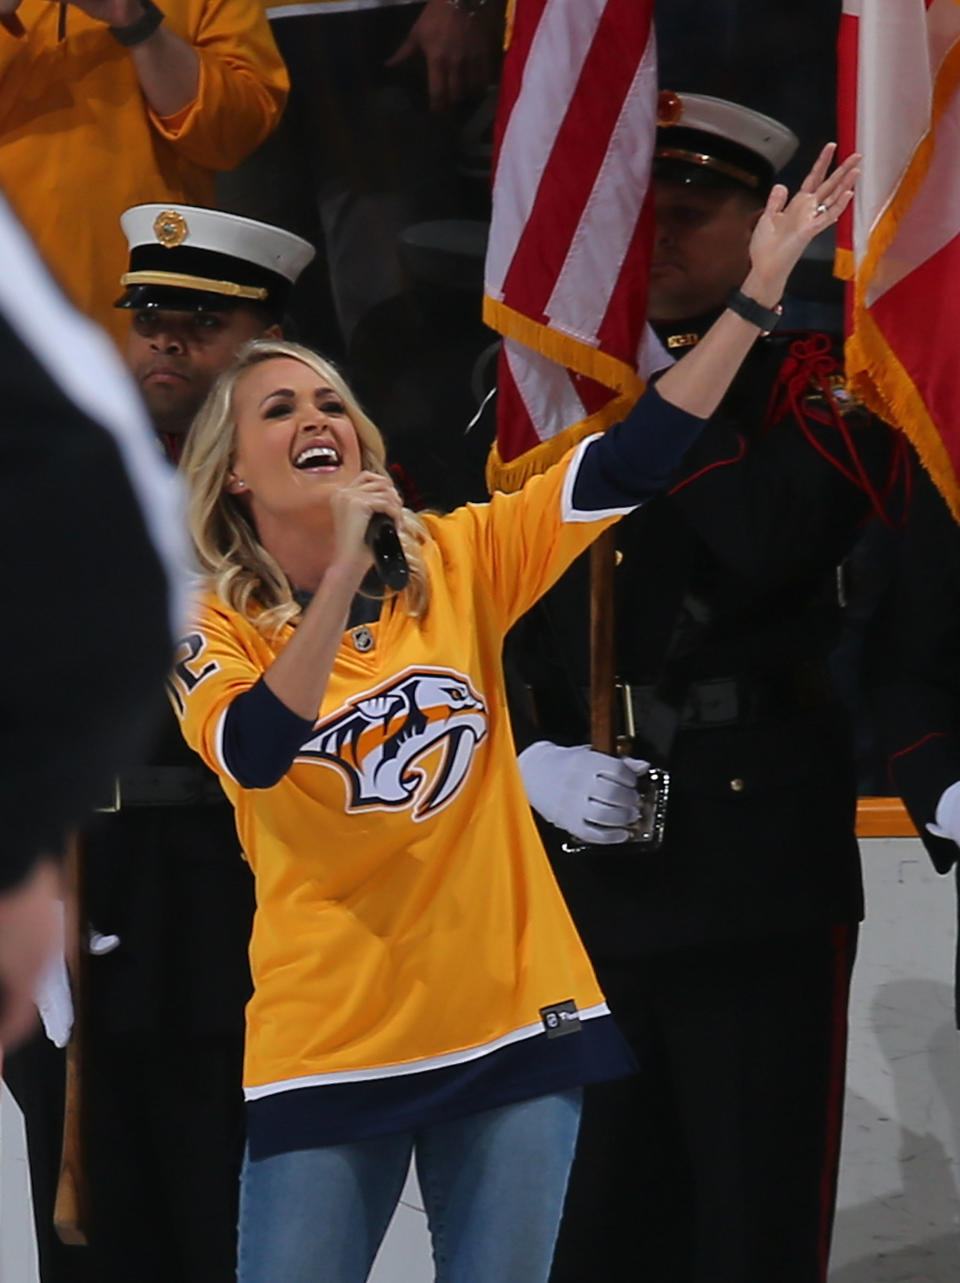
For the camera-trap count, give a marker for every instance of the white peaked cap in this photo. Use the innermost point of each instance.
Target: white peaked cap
(270, 247)
(181, 255)
(751, 129)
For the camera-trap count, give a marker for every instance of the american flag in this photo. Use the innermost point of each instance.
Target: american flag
(567, 262)
(899, 104)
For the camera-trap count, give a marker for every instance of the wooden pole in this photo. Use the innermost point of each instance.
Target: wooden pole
(70, 1209)
(603, 555)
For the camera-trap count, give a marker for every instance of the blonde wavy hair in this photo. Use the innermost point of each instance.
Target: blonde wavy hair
(225, 540)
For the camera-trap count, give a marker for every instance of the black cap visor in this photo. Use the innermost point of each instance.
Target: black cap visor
(182, 271)
(696, 157)
(173, 299)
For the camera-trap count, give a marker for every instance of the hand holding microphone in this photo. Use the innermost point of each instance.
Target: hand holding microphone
(366, 512)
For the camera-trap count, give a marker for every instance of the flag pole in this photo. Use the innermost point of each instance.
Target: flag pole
(70, 1214)
(602, 670)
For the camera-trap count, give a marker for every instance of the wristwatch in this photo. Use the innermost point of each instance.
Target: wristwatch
(764, 318)
(136, 32)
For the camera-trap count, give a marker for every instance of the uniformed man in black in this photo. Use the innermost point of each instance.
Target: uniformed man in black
(725, 954)
(169, 896)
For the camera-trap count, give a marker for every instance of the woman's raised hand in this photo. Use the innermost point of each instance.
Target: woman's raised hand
(785, 229)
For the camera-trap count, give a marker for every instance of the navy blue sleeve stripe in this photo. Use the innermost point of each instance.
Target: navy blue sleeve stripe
(634, 459)
(261, 737)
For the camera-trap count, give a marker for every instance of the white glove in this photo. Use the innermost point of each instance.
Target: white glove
(587, 794)
(52, 995)
(99, 944)
(948, 814)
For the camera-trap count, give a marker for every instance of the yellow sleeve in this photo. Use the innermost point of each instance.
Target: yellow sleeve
(212, 666)
(522, 543)
(242, 91)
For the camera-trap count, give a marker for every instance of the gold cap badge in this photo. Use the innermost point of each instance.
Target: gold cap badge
(170, 228)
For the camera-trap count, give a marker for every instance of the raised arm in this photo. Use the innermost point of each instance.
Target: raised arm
(699, 381)
(639, 456)
(214, 92)
(167, 67)
(241, 89)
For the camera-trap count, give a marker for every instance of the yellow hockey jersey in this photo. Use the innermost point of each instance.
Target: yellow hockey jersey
(407, 916)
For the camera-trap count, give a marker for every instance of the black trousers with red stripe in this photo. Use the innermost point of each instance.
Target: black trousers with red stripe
(717, 1162)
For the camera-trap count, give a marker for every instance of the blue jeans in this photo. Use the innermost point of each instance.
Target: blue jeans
(493, 1186)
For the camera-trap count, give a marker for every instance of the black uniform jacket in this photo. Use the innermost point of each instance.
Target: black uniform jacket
(915, 665)
(914, 669)
(726, 611)
(170, 880)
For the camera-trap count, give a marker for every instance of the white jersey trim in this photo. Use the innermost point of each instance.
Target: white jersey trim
(218, 746)
(412, 1067)
(568, 511)
(330, 6)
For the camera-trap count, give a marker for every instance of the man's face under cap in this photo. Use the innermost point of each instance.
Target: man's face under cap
(175, 356)
(701, 247)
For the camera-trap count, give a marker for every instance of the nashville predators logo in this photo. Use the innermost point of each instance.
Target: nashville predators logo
(409, 743)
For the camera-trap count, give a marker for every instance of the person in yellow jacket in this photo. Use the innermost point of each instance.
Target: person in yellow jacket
(106, 104)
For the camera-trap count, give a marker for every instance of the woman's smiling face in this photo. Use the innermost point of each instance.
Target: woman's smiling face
(295, 441)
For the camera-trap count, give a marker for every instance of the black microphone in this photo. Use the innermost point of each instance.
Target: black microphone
(384, 543)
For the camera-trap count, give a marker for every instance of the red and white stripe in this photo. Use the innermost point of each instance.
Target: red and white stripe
(567, 264)
(900, 106)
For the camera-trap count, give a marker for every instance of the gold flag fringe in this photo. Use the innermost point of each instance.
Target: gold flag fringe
(874, 371)
(514, 473)
(576, 355)
(876, 375)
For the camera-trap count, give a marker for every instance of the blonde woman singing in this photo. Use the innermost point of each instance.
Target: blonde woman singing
(419, 985)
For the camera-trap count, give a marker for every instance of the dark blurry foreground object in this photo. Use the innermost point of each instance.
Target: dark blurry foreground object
(88, 521)
(159, 1007)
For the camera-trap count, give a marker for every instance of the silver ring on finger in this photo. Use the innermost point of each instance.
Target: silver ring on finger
(822, 208)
